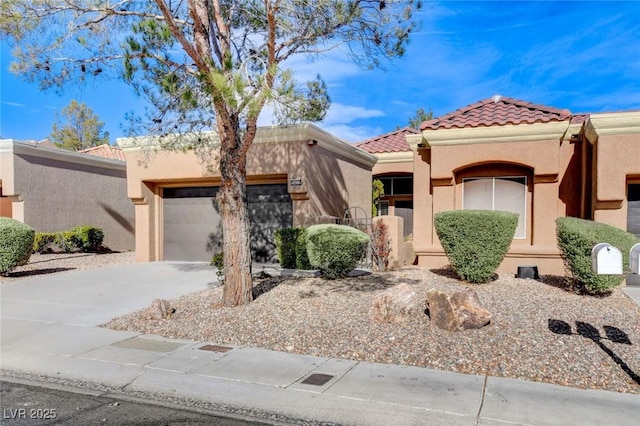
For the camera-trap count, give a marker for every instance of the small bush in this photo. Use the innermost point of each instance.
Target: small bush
(286, 239)
(88, 238)
(81, 238)
(475, 241)
(576, 239)
(16, 244)
(44, 242)
(68, 241)
(218, 261)
(380, 245)
(335, 249)
(302, 258)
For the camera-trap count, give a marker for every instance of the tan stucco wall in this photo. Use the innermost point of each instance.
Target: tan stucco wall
(615, 162)
(54, 190)
(5, 203)
(5, 207)
(384, 168)
(334, 175)
(547, 163)
(618, 162)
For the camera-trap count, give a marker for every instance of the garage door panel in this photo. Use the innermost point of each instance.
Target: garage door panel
(633, 210)
(188, 223)
(193, 226)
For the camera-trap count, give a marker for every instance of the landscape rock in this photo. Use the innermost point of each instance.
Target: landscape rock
(397, 305)
(460, 311)
(441, 310)
(160, 309)
(469, 311)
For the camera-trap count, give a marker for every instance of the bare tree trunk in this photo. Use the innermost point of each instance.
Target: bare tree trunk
(232, 201)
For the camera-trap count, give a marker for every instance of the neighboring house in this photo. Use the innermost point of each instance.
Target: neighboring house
(506, 154)
(296, 176)
(105, 151)
(53, 190)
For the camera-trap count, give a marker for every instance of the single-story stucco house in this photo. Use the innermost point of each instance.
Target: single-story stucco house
(296, 176)
(53, 190)
(506, 154)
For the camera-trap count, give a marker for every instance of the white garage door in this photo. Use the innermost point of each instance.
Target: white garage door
(193, 227)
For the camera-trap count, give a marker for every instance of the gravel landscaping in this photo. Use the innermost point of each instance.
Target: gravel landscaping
(539, 331)
(45, 264)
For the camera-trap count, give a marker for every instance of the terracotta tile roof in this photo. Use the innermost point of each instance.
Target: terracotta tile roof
(106, 151)
(497, 111)
(579, 118)
(390, 142)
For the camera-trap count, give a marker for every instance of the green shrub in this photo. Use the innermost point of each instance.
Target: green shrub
(81, 238)
(475, 241)
(68, 241)
(335, 249)
(218, 261)
(286, 239)
(88, 238)
(44, 241)
(576, 239)
(16, 244)
(302, 257)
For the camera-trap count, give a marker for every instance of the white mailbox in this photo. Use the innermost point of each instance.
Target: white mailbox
(606, 259)
(634, 259)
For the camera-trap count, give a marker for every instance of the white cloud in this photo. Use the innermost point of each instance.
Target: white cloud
(345, 114)
(14, 104)
(352, 134)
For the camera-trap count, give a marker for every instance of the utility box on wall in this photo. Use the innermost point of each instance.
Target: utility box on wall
(606, 259)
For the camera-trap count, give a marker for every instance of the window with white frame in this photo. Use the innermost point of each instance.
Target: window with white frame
(498, 193)
(383, 208)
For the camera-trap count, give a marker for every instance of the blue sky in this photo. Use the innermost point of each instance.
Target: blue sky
(583, 56)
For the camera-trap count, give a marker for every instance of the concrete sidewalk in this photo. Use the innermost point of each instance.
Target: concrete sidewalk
(49, 334)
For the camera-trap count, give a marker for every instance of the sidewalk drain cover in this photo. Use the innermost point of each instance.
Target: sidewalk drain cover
(148, 345)
(215, 348)
(317, 379)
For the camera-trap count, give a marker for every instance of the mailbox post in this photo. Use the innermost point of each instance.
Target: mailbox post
(634, 265)
(606, 260)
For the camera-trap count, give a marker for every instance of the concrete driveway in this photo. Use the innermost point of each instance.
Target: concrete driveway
(92, 297)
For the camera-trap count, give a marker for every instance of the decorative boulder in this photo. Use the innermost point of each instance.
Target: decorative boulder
(460, 311)
(398, 305)
(160, 309)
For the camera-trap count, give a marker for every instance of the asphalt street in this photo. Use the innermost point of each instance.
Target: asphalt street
(23, 404)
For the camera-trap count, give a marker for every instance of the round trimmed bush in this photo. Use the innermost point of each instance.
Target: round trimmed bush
(286, 239)
(16, 244)
(475, 241)
(335, 250)
(302, 257)
(576, 239)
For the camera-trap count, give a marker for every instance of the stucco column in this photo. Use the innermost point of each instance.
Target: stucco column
(144, 231)
(545, 211)
(422, 199)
